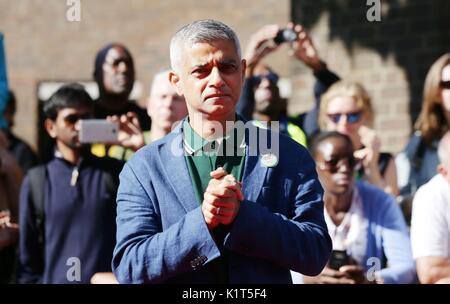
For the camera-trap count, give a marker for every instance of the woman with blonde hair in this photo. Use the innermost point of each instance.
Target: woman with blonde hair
(419, 160)
(346, 108)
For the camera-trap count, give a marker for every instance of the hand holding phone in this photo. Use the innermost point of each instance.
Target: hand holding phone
(338, 259)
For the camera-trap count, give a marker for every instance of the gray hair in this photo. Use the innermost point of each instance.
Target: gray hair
(200, 31)
(444, 148)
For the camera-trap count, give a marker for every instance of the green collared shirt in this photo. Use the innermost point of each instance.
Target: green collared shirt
(203, 156)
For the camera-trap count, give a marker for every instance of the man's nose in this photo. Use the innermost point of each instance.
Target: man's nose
(344, 166)
(216, 79)
(122, 67)
(77, 125)
(265, 82)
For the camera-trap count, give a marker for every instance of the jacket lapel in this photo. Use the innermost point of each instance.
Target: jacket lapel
(173, 162)
(174, 165)
(254, 171)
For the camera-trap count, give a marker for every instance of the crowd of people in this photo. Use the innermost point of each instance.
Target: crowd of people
(186, 194)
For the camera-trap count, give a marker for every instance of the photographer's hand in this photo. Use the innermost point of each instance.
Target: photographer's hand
(130, 134)
(260, 45)
(305, 50)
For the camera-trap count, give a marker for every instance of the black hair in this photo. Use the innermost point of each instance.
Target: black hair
(320, 137)
(11, 105)
(100, 59)
(72, 95)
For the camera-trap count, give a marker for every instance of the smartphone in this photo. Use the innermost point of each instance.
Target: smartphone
(98, 131)
(338, 259)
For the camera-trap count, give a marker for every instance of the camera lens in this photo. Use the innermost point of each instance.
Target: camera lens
(285, 35)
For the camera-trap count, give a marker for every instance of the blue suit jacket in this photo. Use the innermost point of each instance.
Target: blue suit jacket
(162, 235)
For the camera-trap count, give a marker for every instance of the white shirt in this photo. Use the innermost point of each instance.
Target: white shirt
(351, 234)
(430, 222)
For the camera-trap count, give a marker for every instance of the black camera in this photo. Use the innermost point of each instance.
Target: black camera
(338, 259)
(285, 35)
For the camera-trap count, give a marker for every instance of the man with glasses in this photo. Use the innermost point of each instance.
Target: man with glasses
(261, 98)
(67, 207)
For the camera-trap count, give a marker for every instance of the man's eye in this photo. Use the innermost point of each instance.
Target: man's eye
(228, 68)
(199, 71)
(333, 162)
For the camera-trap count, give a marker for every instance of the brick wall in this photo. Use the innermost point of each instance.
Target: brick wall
(390, 57)
(42, 45)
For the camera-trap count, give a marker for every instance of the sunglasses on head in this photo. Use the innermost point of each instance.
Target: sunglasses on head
(351, 117)
(272, 77)
(73, 118)
(334, 164)
(445, 84)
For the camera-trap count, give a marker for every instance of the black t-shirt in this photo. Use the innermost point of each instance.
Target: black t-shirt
(144, 119)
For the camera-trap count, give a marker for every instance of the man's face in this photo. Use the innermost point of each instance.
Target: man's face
(210, 79)
(118, 72)
(66, 127)
(335, 164)
(266, 92)
(165, 106)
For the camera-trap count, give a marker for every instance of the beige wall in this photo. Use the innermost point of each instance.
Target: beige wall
(42, 45)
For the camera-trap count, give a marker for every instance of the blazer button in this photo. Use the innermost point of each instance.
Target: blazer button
(194, 263)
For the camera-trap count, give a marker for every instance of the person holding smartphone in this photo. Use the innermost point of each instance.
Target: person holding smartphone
(67, 206)
(114, 73)
(370, 237)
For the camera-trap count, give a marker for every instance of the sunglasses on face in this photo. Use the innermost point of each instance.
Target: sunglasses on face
(445, 84)
(351, 117)
(72, 119)
(334, 164)
(270, 76)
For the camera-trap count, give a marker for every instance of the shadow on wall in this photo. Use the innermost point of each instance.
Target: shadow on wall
(414, 32)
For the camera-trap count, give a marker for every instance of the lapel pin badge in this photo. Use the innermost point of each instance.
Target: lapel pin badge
(269, 160)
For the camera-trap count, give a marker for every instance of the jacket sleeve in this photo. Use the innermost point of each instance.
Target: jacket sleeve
(324, 79)
(300, 241)
(29, 269)
(144, 252)
(246, 104)
(401, 267)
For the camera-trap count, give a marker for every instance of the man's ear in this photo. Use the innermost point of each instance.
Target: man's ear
(175, 81)
(442, 170)
(50, 127)
(244, 68)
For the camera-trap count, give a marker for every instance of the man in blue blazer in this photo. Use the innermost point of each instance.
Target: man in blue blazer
(189, 213)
